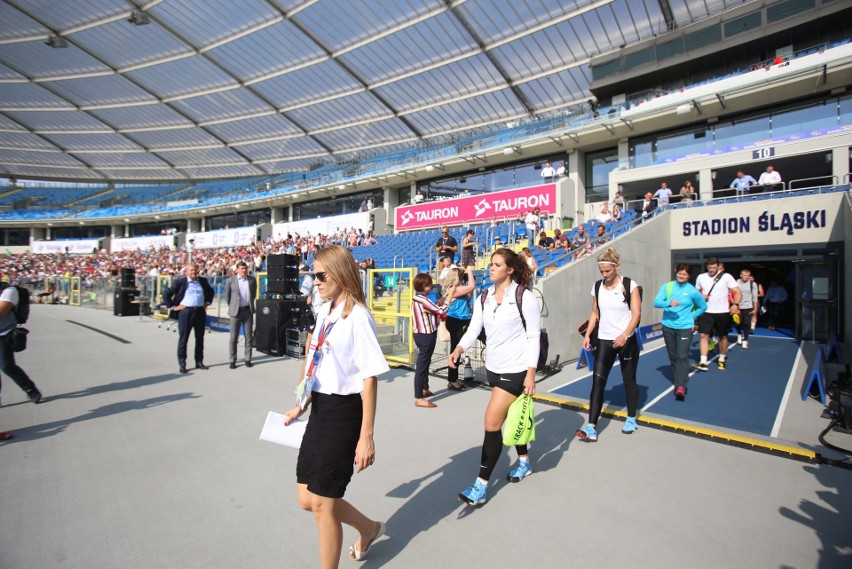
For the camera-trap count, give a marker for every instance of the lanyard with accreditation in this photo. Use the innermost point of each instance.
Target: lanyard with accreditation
(303, 390)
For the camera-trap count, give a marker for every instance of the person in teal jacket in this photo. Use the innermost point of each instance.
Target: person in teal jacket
(682, 304)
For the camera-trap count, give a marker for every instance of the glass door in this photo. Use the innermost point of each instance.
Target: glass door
(817, 299)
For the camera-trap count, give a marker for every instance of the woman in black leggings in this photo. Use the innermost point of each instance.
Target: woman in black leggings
(616, 322)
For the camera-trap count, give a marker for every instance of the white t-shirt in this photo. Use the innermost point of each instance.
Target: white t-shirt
(531, 221)
(8, 320)
(769, 178)
(718, 301)
(614, 313)
(350, 352)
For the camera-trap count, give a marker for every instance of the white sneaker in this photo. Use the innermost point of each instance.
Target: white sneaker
(745, 345)
(739, 338)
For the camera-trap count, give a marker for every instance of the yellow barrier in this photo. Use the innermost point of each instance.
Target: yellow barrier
(74, 291)
(163, 282)
(389, 296)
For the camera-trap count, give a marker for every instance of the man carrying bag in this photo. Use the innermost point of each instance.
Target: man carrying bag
(9, 299)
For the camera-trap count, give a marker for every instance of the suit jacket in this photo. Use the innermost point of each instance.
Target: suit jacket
(174, 294)
(232, 295)
(640, 207)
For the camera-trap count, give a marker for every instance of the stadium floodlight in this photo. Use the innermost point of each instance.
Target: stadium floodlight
(56, 42)
(139, 18)
(341, 187)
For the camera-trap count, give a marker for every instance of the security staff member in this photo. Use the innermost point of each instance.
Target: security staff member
(190, 296)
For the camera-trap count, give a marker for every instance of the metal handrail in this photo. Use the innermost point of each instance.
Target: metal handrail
(830, 177)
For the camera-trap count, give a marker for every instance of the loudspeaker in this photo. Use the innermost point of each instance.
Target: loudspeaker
(282, 274)
(123, 304)
(274, 318)
(128, 277)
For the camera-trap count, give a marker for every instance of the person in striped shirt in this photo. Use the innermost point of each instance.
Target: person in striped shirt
(425, 315)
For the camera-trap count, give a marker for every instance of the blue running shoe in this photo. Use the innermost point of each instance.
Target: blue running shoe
(588, 434)
(475, 495)
(521, 471)
(630, 426)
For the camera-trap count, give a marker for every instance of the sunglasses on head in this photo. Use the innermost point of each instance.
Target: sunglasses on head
(321, 276)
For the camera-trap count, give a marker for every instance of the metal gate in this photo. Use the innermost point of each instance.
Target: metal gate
(389, 295)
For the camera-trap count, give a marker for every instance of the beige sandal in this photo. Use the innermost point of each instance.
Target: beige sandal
(361, 554)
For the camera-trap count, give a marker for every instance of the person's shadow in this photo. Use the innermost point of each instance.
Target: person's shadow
(44, 430)
(433, 497)
(829, 521)
(116, 386)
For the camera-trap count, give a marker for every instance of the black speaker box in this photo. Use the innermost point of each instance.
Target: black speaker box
(274, 318)
(123, 304)
(128, 277)
(281, 262)
(282, 285)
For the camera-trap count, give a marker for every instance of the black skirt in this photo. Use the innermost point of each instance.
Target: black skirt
(327, 455)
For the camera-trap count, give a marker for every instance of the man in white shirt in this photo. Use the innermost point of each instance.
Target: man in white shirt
(770, 180)
(561, 171)
(9, 300)
(663, 195)
(715, 285)
(532, 222)
(548, 173)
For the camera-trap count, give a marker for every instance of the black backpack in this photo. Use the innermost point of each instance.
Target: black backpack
(22, 311)
(544, 340)
(627, 283)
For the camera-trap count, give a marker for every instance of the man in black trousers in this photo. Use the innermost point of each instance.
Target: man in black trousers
(190, 296)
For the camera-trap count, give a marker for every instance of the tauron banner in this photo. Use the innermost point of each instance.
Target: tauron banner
(477, 209)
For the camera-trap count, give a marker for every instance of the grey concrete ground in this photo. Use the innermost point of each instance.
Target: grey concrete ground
(129, 464)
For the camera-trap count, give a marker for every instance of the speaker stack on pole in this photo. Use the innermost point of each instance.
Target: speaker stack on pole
(282, 275)
(278, 314)
(126, 293)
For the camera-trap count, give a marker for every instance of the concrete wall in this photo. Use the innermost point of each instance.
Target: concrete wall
(566, 293)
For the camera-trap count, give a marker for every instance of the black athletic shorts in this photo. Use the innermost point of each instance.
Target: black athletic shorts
(511, 382)
(714, 324)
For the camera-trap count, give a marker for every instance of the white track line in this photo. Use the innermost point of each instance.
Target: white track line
(779, 417)
(648, 405)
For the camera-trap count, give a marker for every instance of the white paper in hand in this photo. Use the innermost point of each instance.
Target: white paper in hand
(274, 431)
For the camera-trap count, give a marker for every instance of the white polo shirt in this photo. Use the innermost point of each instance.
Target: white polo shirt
(350, 352)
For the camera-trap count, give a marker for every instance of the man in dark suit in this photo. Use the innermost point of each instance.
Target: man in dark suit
(646, 207)
(240, 292)
(189, 296)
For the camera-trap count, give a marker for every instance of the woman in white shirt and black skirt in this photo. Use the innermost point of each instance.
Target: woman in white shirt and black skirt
(511, 359)
(615, 320)
(343, 361)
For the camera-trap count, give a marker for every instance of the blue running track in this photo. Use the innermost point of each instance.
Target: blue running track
(744, 397)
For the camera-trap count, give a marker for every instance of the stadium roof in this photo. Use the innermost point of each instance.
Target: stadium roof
(201, 89)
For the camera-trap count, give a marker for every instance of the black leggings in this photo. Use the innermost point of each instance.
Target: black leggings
(457, 328)
(628, 354)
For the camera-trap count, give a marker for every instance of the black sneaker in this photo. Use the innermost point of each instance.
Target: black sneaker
(35, 395)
